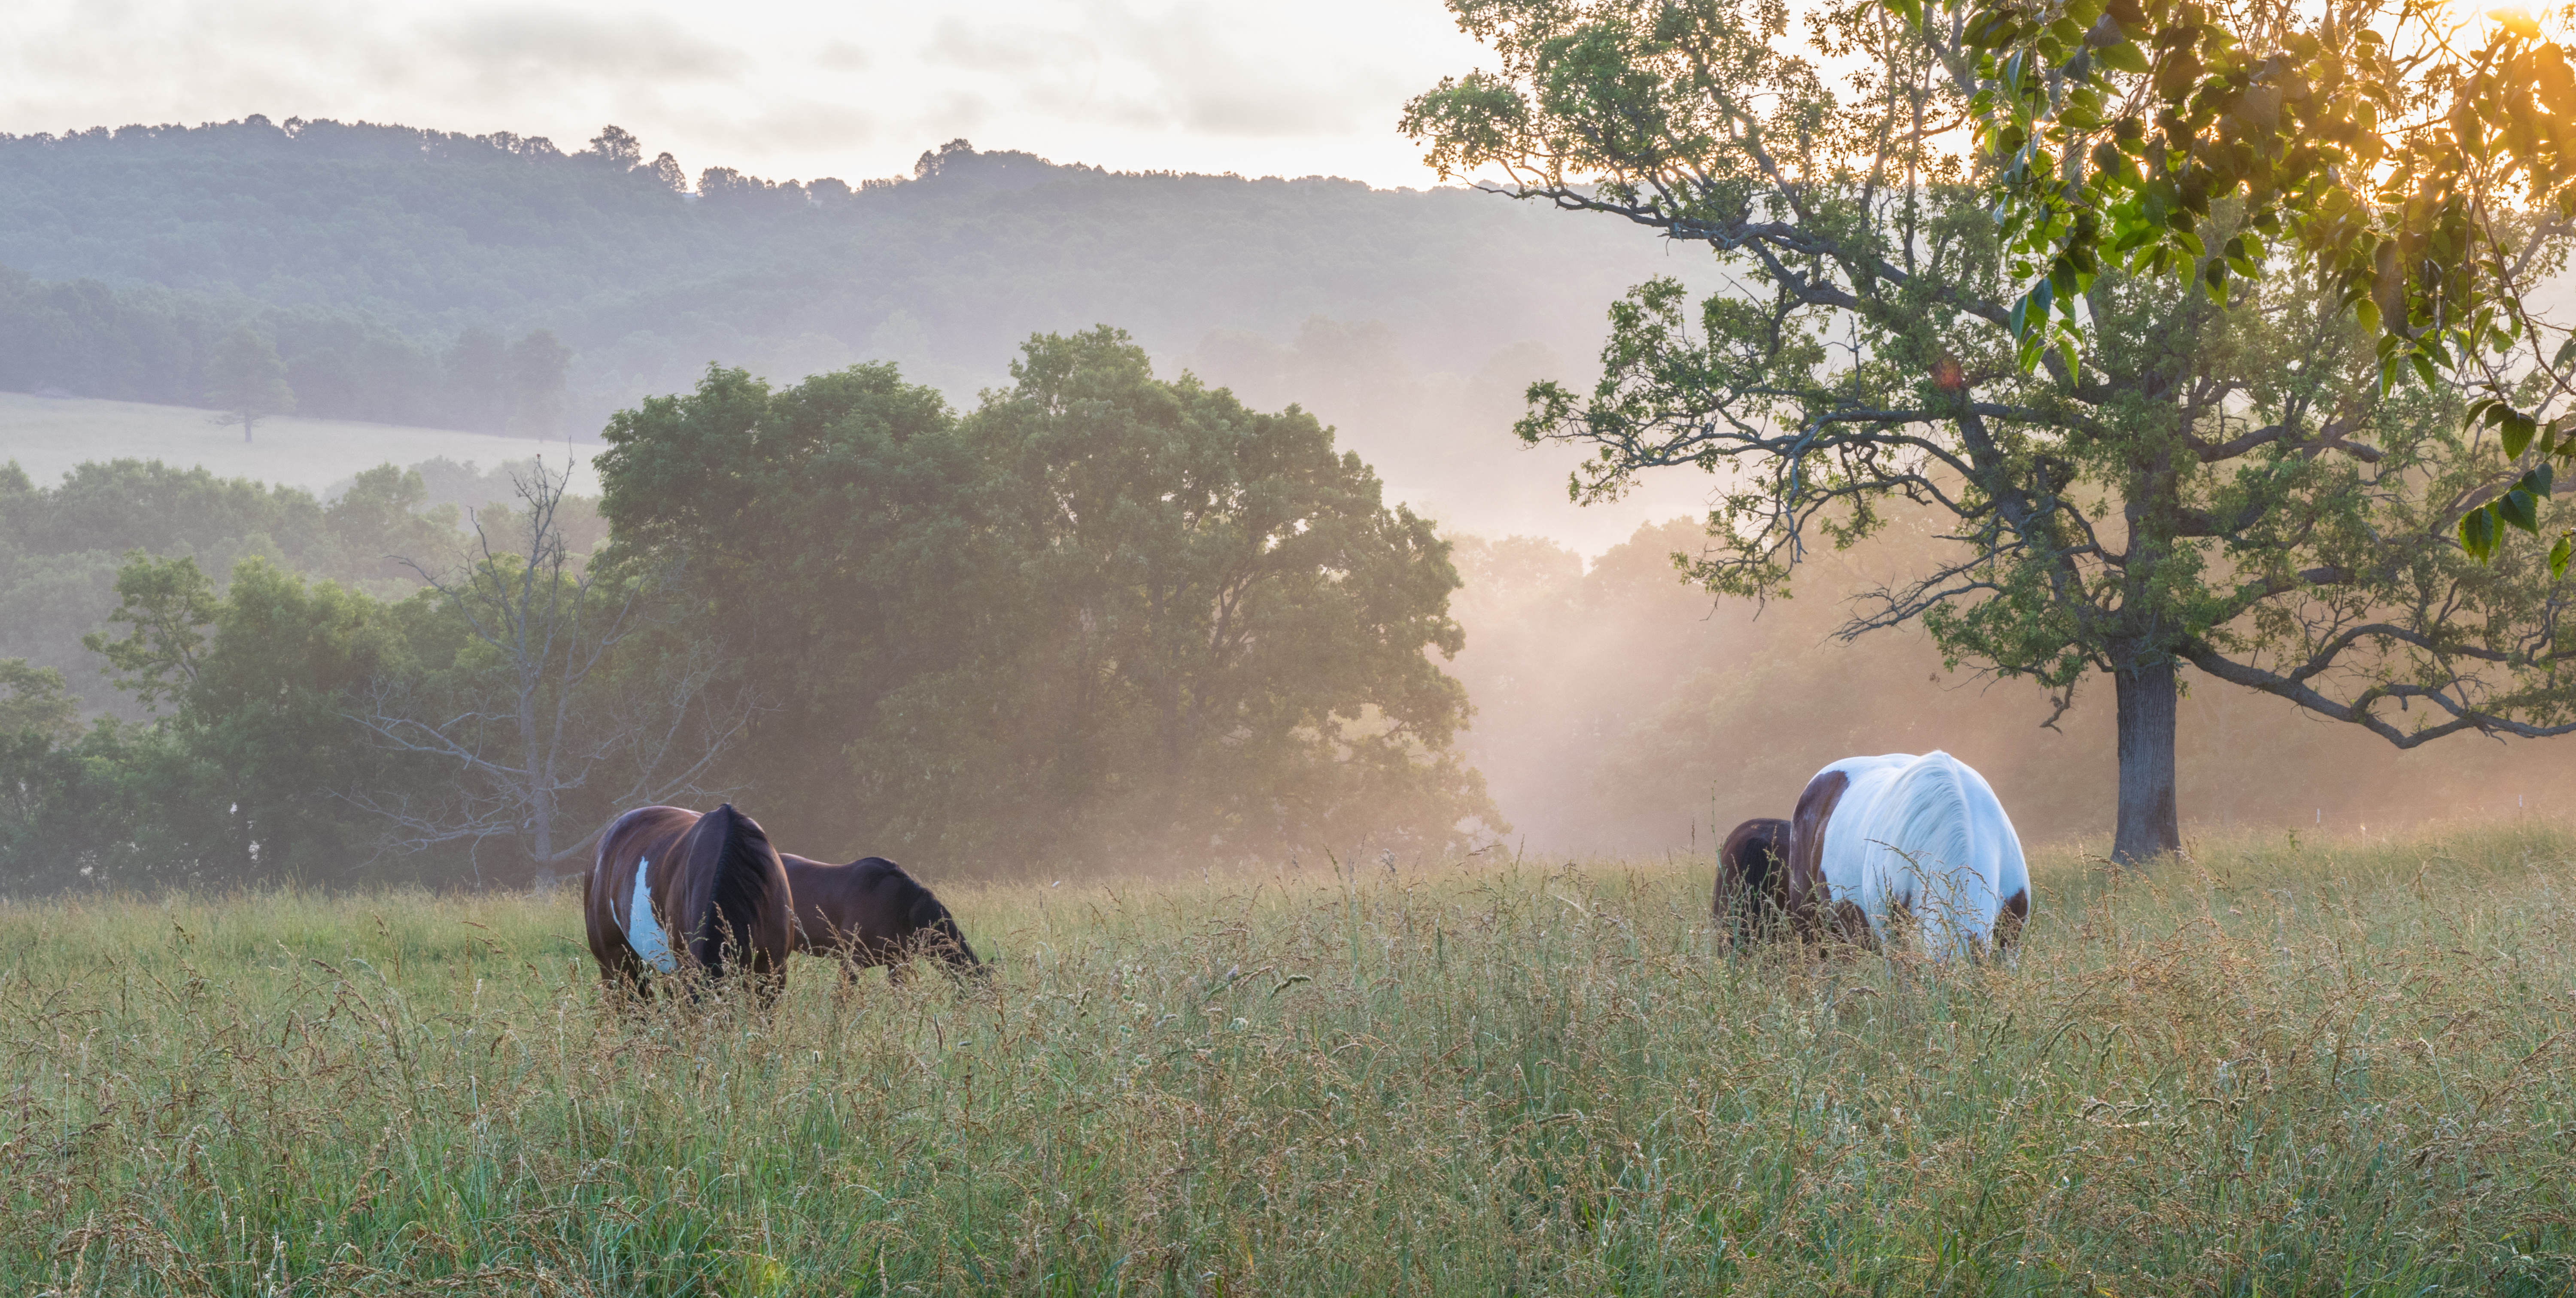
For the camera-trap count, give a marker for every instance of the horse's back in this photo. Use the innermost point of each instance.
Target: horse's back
(872, 911)
(868, 900)
(678, 881)
(732, 889)
(1921, 833)
(1851, 792)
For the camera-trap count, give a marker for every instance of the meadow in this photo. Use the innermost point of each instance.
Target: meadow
(49, 436)
(2283, 1068)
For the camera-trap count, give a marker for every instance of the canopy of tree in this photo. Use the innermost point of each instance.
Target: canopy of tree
(2417, 163)
(1159, 620)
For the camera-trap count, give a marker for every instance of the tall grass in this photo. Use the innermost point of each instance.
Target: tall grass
(2284, 1070)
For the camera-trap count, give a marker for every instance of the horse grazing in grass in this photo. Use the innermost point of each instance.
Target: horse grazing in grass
(1752, 879)
(676, 891)
(871, 913)
(1901, 837)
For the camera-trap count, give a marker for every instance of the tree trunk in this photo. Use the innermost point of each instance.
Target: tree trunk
(2148, 828)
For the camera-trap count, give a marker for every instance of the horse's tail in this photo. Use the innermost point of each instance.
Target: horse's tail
(938, 931)
(745, 888)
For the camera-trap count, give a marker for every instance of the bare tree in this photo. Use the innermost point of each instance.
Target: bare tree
(554, 688)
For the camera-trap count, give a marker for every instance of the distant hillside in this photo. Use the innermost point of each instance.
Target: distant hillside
(368, 252)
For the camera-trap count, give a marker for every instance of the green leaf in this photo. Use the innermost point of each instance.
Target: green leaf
(2517, 431)
(1991, 30)
(2123, 56)
(2478, 532)
(2558, 556)
(2424, 370)
(2521, 509)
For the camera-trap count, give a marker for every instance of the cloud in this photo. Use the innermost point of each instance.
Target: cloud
(519, 42)
(806, 126)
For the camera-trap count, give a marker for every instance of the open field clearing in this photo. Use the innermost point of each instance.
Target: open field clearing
(2336, 1070)
(48, 436)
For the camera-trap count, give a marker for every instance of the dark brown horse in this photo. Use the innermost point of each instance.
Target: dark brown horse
(1752, 896)
(871, 913)
(675, 891)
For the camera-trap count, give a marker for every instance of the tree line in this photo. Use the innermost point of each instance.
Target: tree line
(1103, 618)
(646, 274)
(83, 338)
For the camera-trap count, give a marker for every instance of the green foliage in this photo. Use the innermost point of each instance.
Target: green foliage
(1229, 626)
(1158, 619)
(1161, 621)
(535, 713)
(247, 667)
(246, 774)
(2420, 173)
(168, 604)
(2394, 153)
(36, 701)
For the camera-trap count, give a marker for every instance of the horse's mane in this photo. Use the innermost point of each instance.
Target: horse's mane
(742, 889)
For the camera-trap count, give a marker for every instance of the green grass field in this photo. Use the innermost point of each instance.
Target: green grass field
(2340, 1070)
(48, 436)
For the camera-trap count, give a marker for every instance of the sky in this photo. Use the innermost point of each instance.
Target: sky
(855, 89)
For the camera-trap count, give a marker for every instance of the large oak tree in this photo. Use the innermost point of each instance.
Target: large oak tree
(2222, 481)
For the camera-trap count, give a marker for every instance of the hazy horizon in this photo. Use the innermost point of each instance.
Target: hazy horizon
(781, 90)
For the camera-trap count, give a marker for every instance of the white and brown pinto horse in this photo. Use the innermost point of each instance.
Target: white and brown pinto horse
(1880, 839)
(674, 891)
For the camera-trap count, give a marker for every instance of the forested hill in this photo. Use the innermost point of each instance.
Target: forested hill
(369, 251)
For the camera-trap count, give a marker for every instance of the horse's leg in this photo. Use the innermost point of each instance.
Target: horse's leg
(625, 982)
(1851, 923)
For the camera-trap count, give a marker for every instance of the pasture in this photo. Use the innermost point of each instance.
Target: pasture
(49, 436)
(2285, 1070)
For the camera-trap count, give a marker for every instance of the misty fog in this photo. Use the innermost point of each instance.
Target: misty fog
(1615, 708)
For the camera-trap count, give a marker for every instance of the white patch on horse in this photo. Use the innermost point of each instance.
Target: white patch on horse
(643, 932)
(1926, 834)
